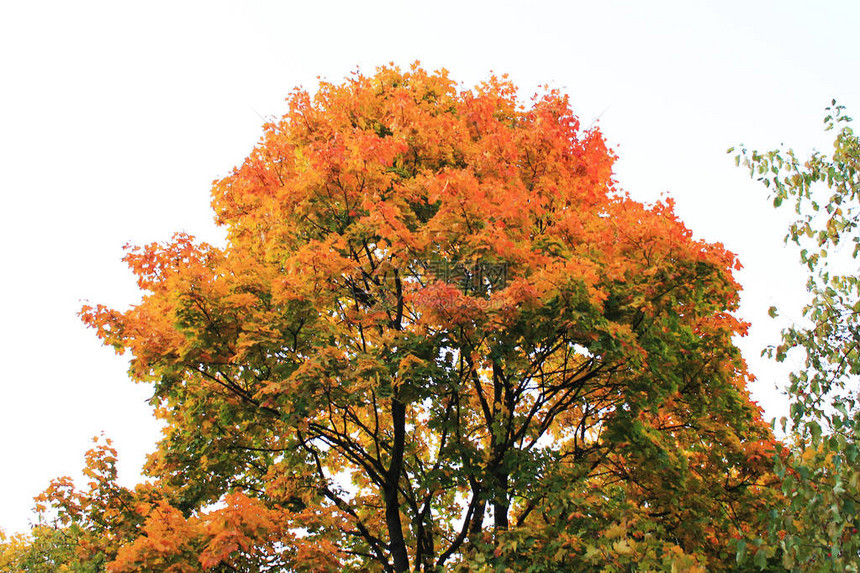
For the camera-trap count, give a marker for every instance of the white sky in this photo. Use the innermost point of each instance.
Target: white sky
(116, 116)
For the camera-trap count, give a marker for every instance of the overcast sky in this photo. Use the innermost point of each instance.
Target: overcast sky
(115, 117)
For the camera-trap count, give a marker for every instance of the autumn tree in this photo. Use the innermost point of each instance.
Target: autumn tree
(44, 549)
(440, 337)
(818, 528)
(79, 530)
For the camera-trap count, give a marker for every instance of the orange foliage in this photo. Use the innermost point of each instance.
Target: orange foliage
(435, 320)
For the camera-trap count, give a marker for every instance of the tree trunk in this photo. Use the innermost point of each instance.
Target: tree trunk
(397, 544)
(501, 503)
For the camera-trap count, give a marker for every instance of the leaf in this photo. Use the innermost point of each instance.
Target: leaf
(741, 547)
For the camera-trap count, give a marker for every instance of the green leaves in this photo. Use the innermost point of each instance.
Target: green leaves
(819, 473)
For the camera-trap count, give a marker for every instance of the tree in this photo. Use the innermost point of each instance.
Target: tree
(439, 337)
(78, 531)
(821, 477)
(45, 550)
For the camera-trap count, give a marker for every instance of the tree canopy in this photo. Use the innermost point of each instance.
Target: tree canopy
(438, 337)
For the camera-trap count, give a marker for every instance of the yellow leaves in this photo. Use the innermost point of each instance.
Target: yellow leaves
(681, 562)
(622, 547)
(809, 455)
(616, 531)
(407, 367)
